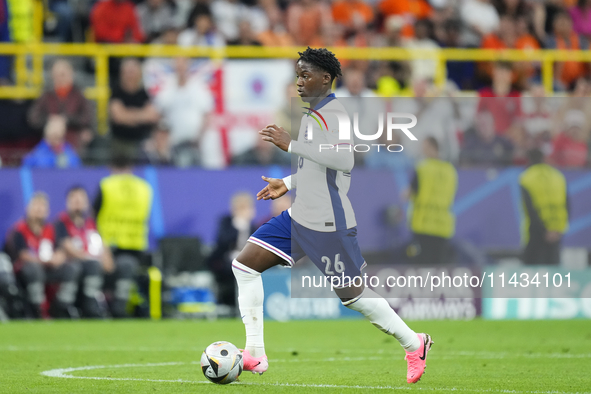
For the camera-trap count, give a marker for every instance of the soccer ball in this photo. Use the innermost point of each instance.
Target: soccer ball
(221, 362)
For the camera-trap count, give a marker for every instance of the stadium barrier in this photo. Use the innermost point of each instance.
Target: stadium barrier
(29, 75)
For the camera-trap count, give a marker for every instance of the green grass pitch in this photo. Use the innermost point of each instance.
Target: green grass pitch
(305, 356)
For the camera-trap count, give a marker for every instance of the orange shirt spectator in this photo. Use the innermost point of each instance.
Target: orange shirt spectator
(566, 38)
(412, 10)
(306, 20)
(115, 21)
(419, 9)
(350, 13)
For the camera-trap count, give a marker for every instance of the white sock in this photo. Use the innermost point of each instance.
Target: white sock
(379, 313)
(250, 302)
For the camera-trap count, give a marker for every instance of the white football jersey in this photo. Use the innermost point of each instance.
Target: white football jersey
(323, 177)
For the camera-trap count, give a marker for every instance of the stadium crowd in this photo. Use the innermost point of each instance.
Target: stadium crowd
(512, 117)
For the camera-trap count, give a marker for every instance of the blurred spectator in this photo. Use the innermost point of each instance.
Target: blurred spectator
(511, 8)
(201, 31)
(483, 147)
(32, 246)
(77, 237)
(5, 61)
(307, 20)
(432, 193)
(228, 15)
(53, 151)
(64, 99)
(262, 154)
(460, 72)
(537, 117)
(186, 104)
(507, 37)
(155, 16)
(577, 100)
(569, 148)
(232, 235)
(544, 195)
(480, 16)
(115, 22)
(408, 10)
(422, 69)
(581, 17)
(543, 17)
(357, 98)
(122, 206)
(352, 14)
(64, 14)
(21, 20)
(157, 148)
(132, 114)
(501, 100)
(439, 120)
(565, 38)
(246, 36)
(276, 35)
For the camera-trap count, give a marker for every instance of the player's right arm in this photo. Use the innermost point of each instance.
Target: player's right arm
(327, 150)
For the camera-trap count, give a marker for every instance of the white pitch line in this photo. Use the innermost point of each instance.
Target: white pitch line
(65, 373)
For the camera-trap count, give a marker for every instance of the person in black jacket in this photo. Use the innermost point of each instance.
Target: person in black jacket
(233, 232)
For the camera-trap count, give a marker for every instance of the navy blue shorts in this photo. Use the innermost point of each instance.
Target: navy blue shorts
(335, 253)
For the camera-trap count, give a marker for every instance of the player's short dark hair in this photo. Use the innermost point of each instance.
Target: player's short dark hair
(323, 59)
(433, 142)
(76, 188)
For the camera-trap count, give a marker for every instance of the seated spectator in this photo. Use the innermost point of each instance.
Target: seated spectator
(227, 15)
(352, 14)
(460, 72)
(409, 10)
(581, 17)
(77, 237)
(262, 154)
(422, 69)
(201, 31)
(246, 36)
(565, 37)
(307, 20)
(507, 37)
(115, 22)
(132, 114)
(53, 151)
(569, 148)
(64, 99)
(232, 235)
(482, 147)
(186, 104)
(512, 8)
(537, 117)
(32, 248)
(480, 17)
(158, 148)
(276, 35)
(64, 13)
(501, 100)
(155, 17)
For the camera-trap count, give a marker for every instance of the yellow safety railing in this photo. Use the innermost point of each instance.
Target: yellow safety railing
(29, 75)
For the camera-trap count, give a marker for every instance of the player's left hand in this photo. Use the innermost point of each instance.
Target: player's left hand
(277, 135)
(275, 189)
